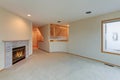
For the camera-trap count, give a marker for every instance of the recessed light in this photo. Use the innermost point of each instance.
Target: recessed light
(88, 12)
(28, 15)
(59, 21)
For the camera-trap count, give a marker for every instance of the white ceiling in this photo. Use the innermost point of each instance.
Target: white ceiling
(50, 11)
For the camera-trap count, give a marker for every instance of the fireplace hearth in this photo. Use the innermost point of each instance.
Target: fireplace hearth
(18, 54)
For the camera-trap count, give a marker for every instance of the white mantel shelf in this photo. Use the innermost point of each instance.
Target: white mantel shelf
(14, 40)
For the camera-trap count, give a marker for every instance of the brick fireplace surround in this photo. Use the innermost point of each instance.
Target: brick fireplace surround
(9, 45)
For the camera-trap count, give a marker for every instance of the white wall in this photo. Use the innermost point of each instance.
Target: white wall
(58, 46)
(45, 31)
(13, 27)
(85, 38)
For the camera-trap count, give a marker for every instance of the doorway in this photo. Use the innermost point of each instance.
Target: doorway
(36, 36)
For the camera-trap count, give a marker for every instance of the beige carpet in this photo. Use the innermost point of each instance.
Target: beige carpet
(59, 66)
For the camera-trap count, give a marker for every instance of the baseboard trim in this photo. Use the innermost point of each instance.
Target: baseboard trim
(58, 52)
(95, 60)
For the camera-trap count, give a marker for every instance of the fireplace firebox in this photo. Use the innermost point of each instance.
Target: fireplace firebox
(18, 54)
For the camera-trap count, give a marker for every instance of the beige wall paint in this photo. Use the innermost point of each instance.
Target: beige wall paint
(85, 38)
(13, 27)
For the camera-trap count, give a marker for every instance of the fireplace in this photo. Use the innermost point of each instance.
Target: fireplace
(18, 54)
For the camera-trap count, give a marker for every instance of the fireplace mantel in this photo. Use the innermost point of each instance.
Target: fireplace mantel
(14, 40)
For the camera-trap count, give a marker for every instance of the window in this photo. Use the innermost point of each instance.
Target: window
(59, 32)
(111, 36)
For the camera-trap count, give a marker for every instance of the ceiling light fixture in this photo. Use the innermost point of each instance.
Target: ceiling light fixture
(88, 12)
(28, 15)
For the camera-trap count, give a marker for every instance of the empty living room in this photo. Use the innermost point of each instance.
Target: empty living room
(59, 40)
